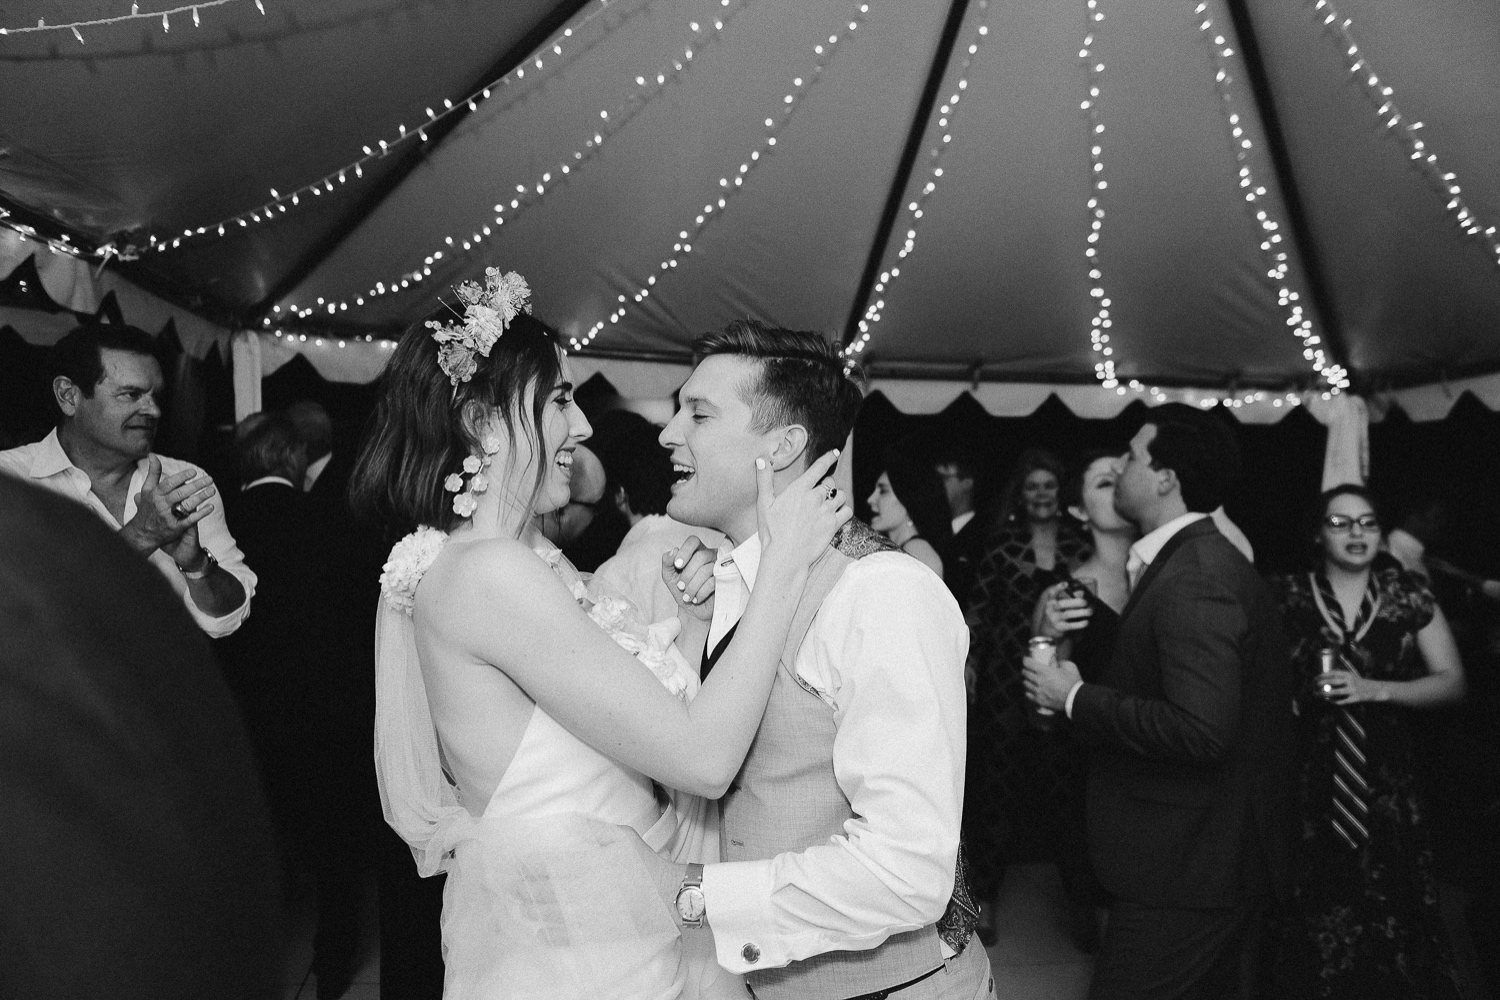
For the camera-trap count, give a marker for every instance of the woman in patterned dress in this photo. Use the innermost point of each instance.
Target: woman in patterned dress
(1009, 785)
(1364, 921)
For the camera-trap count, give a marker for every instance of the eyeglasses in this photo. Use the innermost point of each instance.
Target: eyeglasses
(1342, 524)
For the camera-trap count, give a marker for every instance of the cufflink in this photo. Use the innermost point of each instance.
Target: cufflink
(750, 953)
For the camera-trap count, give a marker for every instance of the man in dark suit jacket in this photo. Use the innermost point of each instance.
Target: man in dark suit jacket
(955, 468)
(1190, 801)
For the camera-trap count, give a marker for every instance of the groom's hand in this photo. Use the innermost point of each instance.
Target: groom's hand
(1048, 684)
(688, 572)
(664, 874)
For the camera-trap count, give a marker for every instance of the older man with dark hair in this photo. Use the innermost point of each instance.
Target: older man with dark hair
(108, 387)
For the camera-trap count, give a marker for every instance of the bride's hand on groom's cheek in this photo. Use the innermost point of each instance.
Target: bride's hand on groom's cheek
(801, 520)
(688, 572)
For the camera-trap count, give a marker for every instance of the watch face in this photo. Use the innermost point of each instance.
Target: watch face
(690, 903)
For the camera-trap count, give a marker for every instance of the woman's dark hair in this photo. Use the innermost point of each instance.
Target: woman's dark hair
(1327, 497)
(916, 484)
(418, 435)
(1011, 497)
(1071, 494)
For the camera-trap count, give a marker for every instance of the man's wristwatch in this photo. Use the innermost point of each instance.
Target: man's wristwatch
(209, 562)
(690, 901)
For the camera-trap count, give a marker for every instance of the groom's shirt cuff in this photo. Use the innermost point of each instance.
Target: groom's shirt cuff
(1072, 693)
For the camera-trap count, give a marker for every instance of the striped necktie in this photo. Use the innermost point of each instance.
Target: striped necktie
(1350, 818)
(1351, 792)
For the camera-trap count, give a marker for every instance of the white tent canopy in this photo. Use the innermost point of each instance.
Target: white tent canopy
(830, 133)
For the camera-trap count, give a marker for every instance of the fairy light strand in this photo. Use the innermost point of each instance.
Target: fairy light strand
(280, 203)
(1404, 129)
(528, 195)
(731, 183)
(134, 15)
(1101, 322)
(926, 186)
(1273, 246)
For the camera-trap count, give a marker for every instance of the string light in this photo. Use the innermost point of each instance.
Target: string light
(134, 15)
(1403, 129)
(1101, 322)
(280, 203)
(1273, 248)
(527, 195)
(926, 184)
(733, 182)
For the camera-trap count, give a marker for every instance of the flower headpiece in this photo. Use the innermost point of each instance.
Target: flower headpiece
(488, 310)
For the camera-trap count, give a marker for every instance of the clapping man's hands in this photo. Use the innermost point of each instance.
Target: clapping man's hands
(167, 512)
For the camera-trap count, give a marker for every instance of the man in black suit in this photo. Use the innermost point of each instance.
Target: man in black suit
(955, 468)
(285, 667)
(1190, 801)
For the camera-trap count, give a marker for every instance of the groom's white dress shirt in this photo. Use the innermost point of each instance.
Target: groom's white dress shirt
(886, 652)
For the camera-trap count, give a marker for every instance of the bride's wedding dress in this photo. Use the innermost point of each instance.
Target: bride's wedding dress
(546, 896)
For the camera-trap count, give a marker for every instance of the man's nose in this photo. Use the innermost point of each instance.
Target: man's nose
(669, 438)
(150, 407)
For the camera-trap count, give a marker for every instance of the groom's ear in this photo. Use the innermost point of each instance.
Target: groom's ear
(788, 446)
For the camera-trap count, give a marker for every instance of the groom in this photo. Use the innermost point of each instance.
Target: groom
(840, 834)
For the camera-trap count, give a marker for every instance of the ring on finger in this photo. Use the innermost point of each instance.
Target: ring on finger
(829, 491)
(179, 511)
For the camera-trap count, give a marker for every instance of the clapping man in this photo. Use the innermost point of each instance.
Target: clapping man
(108, 386)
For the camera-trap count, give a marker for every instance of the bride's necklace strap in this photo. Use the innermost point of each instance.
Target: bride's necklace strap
(409, 561)
(904, 532)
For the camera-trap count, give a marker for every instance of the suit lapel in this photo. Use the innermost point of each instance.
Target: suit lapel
(1198, 528)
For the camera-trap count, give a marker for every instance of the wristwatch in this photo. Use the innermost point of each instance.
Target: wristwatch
(690, 901)
(209, 562)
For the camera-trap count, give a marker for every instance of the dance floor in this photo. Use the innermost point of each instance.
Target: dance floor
(1032, 959)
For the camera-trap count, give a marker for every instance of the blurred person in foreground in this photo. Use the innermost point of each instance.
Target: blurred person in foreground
(640, 472)
(1190, 803)
(108, 387)
(1365, 919)
(288, 670)
(139, 859)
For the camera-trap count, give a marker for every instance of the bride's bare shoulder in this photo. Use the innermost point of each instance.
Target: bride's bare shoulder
(488, 570)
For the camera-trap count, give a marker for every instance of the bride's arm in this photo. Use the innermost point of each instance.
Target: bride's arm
(545, 643)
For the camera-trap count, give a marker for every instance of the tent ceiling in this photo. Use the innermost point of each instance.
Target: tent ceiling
(137, 131)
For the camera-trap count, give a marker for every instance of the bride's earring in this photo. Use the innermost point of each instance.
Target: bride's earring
(465, 502)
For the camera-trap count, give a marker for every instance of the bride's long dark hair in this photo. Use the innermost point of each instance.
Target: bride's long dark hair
(418, 435)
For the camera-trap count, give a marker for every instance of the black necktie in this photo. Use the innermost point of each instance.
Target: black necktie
(710, 658)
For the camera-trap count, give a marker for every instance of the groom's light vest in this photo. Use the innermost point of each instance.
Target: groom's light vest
(786, 799)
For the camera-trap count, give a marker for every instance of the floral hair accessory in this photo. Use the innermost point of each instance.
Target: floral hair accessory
(465, 503)
(488, 311)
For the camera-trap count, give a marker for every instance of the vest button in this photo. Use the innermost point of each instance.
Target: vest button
(750, 953)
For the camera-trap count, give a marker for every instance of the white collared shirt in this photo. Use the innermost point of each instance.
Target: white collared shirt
(886, 652)
(314, 470)
(268, 479)
(961, 520)
(1142, 554)
(45, 464)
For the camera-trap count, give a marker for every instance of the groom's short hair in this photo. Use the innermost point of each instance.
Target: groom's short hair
(802, 380)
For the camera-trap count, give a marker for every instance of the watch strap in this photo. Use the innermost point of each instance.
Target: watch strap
(209, 562)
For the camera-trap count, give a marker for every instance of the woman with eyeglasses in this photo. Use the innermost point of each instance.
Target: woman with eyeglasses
(1371, 647)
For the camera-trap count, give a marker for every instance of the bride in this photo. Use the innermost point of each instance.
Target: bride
(516, 734)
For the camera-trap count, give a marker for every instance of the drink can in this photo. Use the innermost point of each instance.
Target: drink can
(1043, 650)
(1328, 661)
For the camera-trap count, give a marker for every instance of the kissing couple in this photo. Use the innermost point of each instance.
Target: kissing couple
(559, 757)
